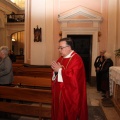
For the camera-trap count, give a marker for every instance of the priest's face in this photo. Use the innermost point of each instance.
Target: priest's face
(64, 49)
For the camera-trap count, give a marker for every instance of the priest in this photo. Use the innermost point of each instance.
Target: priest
(69, 101)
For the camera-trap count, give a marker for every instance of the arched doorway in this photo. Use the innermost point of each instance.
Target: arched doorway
(17, 39)
(17, 46)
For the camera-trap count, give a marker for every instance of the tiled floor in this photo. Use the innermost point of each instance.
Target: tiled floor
(93, 99)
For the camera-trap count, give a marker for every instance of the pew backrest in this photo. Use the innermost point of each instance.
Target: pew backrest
(36, 72)
(32, 81)
(35, 96)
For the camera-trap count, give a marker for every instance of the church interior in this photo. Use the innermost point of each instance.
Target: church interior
(32, 29)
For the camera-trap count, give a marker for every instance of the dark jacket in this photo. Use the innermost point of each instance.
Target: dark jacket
(105, 69)
(98, 63)
(105, 74)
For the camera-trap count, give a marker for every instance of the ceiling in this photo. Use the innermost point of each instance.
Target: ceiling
(20, 3)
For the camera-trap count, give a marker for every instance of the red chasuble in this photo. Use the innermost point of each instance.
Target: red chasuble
(69, 97)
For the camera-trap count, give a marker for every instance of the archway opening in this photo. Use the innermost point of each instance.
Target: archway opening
(18, 43)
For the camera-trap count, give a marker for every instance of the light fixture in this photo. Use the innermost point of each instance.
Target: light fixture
(13, 39)
(13, 1)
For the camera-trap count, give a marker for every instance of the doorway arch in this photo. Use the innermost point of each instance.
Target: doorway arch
(12, 28)
(17, 39)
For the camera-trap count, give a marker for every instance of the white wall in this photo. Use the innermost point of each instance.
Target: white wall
(40, 14)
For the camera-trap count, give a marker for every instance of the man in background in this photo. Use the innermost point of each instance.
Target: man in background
(12, 56)
(105, 73)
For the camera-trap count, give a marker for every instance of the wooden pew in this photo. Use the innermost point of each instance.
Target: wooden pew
(19, 59)
(31, 71)
(15, 65)
(39, 106)
(35, 82)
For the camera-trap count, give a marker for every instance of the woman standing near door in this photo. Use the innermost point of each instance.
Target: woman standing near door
(98, 64)
(105, 73)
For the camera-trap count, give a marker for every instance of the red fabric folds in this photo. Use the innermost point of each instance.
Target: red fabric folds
(69, 97)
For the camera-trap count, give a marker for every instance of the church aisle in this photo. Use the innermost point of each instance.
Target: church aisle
(94, 99)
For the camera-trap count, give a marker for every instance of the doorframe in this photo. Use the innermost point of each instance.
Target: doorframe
(85, 31)
(11, 28)
(82, 21)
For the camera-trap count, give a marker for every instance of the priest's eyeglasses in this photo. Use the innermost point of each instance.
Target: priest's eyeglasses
(61, 48)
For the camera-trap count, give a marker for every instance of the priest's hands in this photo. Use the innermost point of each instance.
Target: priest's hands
(56, 66)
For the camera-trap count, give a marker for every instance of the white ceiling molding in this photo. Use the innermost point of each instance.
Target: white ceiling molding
(87, 15)
(13, 4)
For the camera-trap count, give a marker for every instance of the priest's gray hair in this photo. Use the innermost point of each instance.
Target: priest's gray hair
(4, 50)
(107, 55)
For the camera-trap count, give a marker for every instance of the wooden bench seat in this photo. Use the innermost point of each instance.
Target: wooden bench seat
(35, 82)
(29, 71)
(17, 65)
(41, 99)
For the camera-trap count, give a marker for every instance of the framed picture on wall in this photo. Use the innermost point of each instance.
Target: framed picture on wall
(37, 34)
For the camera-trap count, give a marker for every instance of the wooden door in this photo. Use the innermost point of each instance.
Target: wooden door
(83, 46)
